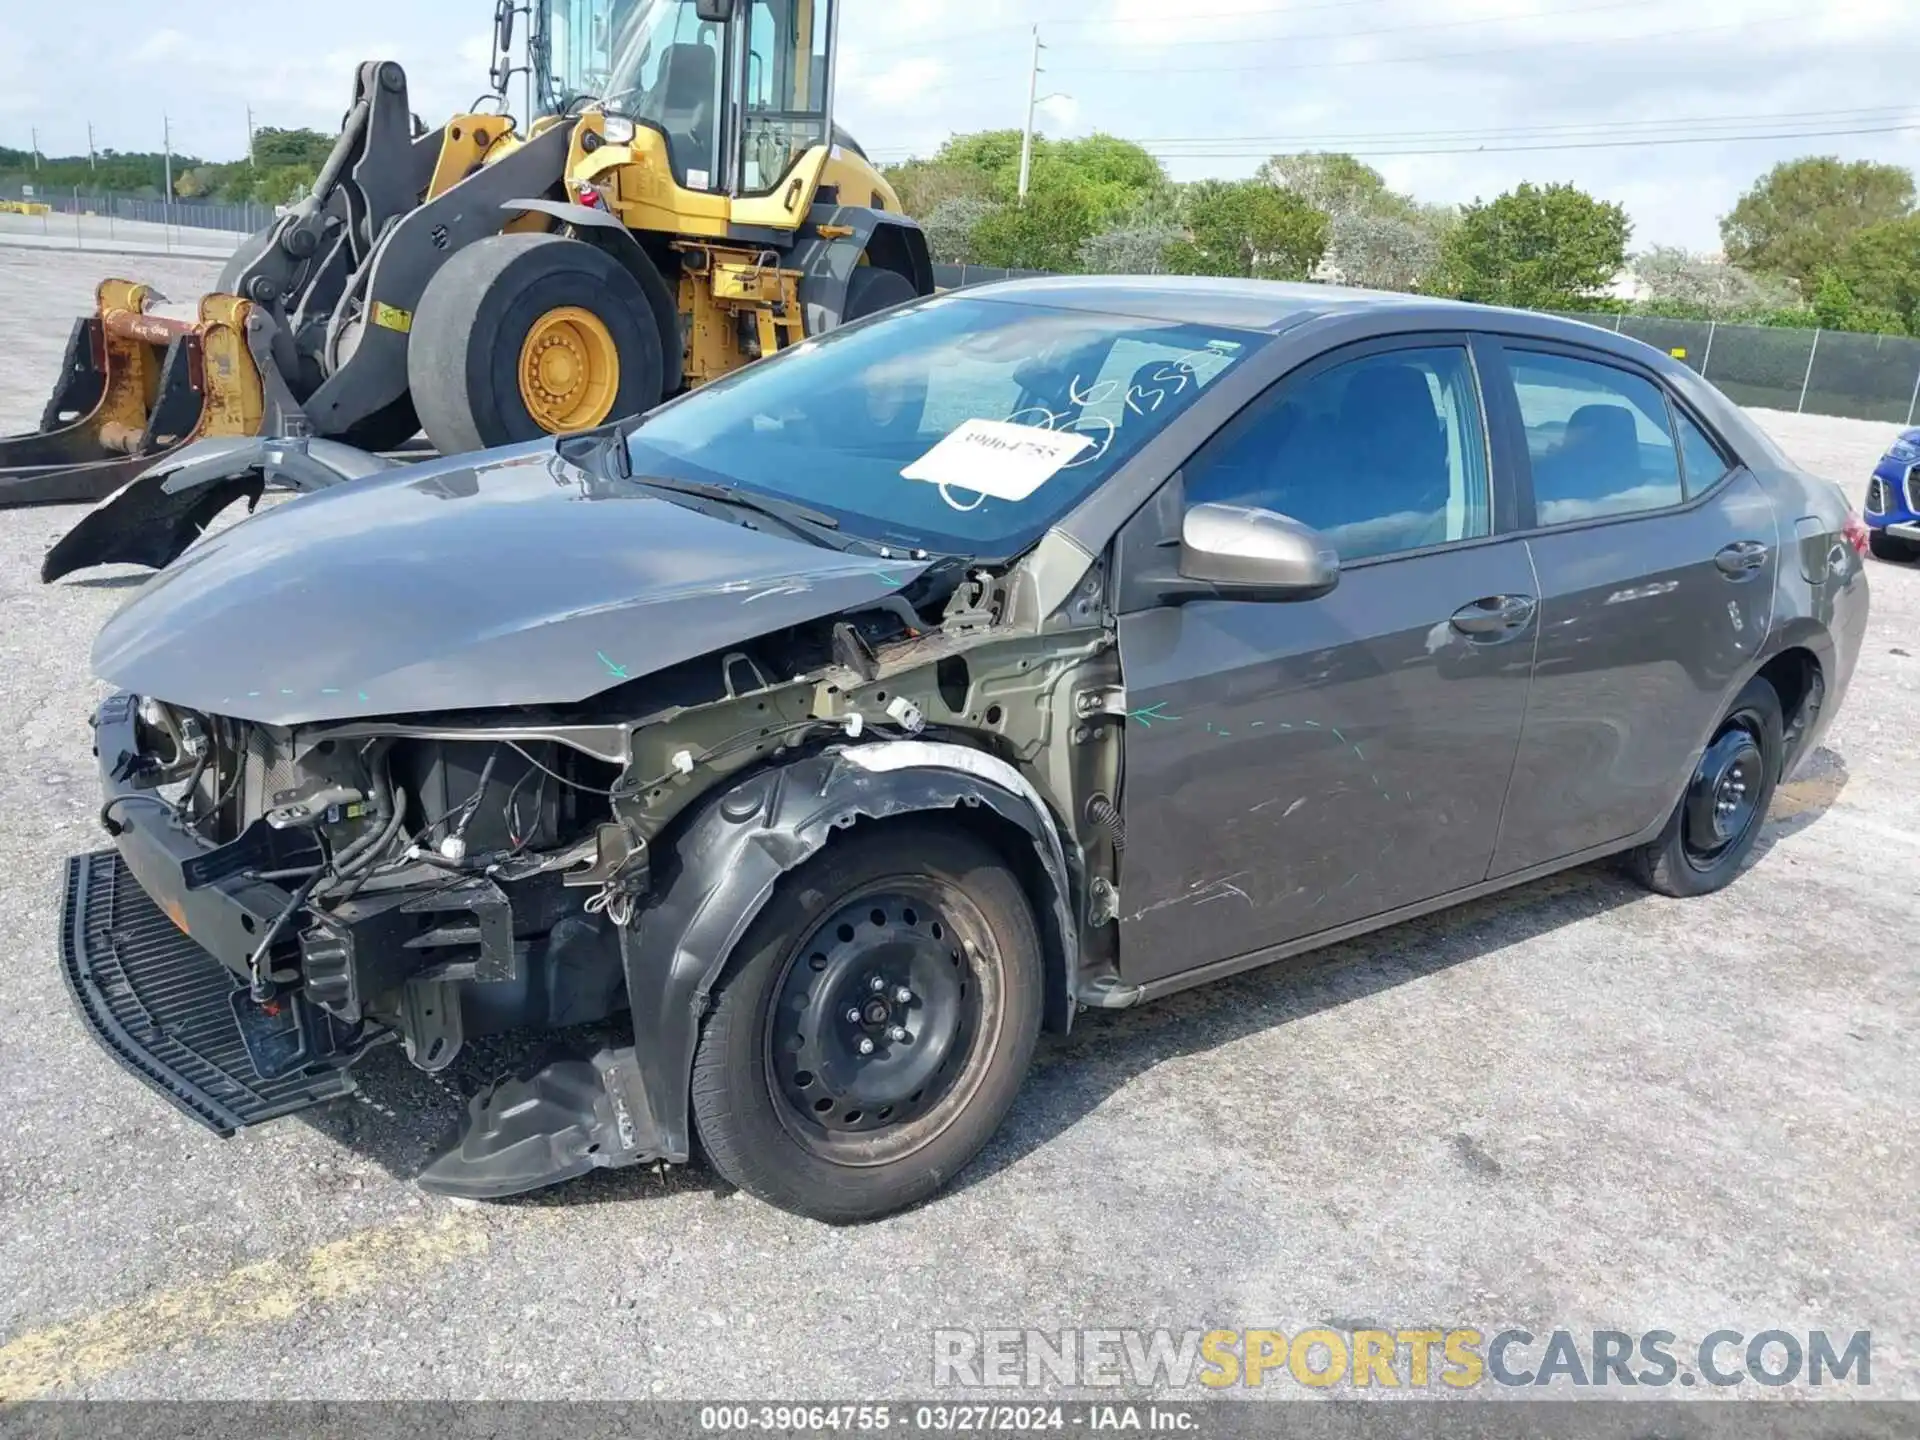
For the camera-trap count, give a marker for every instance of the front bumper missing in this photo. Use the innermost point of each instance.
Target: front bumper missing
(165, 1010)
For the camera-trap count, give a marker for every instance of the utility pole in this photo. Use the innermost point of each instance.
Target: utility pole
(91, 166)
(250, 137)
(36, 150)
(1026, 138)
(166, 130)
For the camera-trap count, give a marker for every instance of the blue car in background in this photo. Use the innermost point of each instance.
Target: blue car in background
(1893, 501)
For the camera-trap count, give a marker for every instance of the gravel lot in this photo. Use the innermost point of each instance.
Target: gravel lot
(1573, 1107)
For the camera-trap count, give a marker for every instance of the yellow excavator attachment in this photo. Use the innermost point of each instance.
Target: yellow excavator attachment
(134, 386)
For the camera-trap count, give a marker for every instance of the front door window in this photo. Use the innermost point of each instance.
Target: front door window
(1380, 455)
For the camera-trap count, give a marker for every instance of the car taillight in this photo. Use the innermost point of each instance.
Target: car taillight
(1855, 531)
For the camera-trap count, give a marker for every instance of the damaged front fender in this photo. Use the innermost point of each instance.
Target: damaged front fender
(731, 856)
(167, 507)
(525, 1134)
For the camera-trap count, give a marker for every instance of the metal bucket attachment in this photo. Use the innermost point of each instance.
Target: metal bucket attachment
(132, 387)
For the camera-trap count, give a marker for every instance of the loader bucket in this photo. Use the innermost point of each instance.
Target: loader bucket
(132, 387)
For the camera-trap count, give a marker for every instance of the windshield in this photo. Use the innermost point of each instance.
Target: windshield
(638, 57)
(657, 61)
(961, 427)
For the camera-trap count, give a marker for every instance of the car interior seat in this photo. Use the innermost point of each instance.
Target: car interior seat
(1599, 456)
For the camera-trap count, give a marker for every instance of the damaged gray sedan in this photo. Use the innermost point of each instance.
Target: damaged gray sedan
(1041, 647)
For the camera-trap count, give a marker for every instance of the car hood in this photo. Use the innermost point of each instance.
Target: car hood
(496, 580)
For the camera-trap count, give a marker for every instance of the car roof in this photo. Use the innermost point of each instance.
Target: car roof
(1268, 305)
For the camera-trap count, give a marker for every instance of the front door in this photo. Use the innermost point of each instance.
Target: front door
(1292, 767)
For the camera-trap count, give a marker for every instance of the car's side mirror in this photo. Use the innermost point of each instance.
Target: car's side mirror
(1245, 553)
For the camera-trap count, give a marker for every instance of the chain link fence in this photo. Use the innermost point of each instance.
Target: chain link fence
(1815, 372)
(954, 277)
(241, 218)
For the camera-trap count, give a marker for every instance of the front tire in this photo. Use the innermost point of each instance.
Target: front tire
(873, 289)
(1892, 547)
(520, 336)
(874, 1025)
(1714, 827)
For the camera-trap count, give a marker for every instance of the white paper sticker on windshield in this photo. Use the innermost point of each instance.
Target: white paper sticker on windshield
(993, 458)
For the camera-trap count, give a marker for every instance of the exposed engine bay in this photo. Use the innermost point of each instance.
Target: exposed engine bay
(430, 880)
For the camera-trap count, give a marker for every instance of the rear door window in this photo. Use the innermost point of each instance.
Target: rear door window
(1598, 437)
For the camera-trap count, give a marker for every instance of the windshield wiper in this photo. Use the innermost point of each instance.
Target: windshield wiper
(803, 520)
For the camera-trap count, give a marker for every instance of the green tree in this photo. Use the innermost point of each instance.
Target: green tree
(1134, 246)
(1337, 184)
(1536, 248)
(1689, 286)
(1044, 234)
(1247, 228)
(1384, 252)
(273, 147)
(950, 226)
(1109, 176)
(924, 186)
(1881, 268)
(1797, 218)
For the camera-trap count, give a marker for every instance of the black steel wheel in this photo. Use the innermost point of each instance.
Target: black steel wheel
(1722, 802)
(1713, 828)
(872, 1042)
(874, 1026)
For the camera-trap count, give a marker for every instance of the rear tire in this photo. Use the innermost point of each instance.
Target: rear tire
(788, 1108)
(472, 326)
(1714, 827)
(1891, 547)
(872, 290)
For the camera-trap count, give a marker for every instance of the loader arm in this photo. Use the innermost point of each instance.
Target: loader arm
(366, 341)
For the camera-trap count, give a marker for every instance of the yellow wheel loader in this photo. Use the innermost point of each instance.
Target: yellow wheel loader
(682, 205)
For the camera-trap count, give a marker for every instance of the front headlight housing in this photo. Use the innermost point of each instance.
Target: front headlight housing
(619, 130)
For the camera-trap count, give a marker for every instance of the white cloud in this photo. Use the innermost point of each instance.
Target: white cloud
(1249, 76)
(1058, 113)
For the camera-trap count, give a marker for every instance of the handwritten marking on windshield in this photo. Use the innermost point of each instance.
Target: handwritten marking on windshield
(618, 672)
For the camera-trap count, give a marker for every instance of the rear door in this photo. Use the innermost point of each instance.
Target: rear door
(1292, 767)
(1657, 561)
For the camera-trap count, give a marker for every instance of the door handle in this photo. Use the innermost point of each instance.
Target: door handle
(1494, 615)
(1743, 557)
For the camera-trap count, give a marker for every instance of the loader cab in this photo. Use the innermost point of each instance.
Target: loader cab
(741, 89)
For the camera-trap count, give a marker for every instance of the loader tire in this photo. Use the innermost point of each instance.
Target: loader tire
(872, 290)
(520, 336)
(387, 428)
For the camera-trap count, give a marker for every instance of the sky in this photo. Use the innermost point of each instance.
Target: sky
(1452, 100)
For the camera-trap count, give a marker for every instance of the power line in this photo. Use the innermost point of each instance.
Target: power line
(1496, 142)
(1270, 68)
(1106, 22)
(1637, 142)
(1502, 132)
(1322, 64)
(1454, 24)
